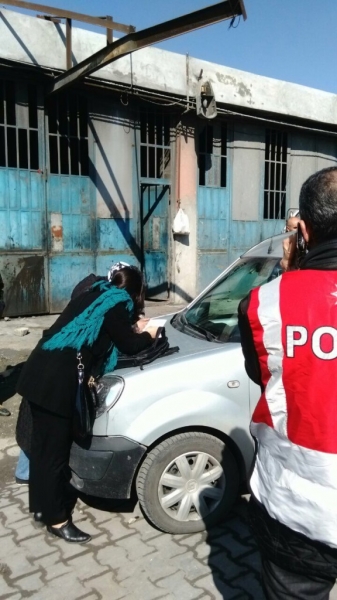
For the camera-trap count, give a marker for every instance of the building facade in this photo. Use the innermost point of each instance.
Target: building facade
(97, 173)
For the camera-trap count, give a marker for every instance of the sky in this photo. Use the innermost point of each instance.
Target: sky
(291, 40)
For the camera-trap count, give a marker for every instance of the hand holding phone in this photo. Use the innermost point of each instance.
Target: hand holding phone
(301, 246)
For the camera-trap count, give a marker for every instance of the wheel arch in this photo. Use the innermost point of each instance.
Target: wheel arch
(162, 455)
(201, 429)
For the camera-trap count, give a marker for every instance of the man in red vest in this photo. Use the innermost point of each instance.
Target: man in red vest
(289, 340)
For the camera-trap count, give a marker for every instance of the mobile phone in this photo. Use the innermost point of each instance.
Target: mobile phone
(301, 245)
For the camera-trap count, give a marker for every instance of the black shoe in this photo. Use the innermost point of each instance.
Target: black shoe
(20, 481)
(38, 520)
(4, 412)
(70, 533)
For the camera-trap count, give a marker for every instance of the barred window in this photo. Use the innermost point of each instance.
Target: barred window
(212, 157)
(155, 147)
(68, 134)
(19, 142)
(275, 175)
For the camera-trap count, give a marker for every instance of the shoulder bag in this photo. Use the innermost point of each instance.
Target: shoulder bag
(84, 412)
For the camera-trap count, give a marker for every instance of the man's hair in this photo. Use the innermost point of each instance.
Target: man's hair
(318, 204)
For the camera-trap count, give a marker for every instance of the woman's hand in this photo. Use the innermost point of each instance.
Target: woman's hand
(289, 252)
(141, 323)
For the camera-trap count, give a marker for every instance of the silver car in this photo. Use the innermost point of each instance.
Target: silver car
(177, 431)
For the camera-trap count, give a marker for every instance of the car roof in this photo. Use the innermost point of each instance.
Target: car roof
(270, 247)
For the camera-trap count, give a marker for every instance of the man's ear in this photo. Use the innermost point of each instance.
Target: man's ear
(305, 231)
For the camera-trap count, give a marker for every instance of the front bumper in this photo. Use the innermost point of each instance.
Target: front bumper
(105, 466)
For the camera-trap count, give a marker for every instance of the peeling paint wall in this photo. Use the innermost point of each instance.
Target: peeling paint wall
(25, 283)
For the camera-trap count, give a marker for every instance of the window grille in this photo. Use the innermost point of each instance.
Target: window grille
(212, 157)
(155, 148)
(275, 175)
(68, 135)
(19, 142)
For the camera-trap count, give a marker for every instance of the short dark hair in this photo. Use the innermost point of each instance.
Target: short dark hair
(131, 279)
(318, 204)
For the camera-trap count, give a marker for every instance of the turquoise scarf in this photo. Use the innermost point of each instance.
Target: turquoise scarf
(83, 330)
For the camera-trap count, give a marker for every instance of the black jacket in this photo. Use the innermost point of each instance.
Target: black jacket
(49, 377)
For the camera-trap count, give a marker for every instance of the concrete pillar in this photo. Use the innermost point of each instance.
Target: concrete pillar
(184, 269)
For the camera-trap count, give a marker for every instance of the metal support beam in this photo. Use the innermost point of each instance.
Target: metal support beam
(109, 32)
(69, 43)
(67, 14)
(152, 35)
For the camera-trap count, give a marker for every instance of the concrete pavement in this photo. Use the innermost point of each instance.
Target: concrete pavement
(126, 559)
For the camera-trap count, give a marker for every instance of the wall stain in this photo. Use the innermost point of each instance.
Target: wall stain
(24, 291)
(241, 88)
(57, 232)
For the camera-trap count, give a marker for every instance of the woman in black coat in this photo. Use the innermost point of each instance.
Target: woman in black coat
(97, 323)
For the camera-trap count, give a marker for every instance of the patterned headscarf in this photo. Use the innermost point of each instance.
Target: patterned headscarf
(116, 267)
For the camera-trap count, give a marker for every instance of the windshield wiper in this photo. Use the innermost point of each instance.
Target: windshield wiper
(210, 337)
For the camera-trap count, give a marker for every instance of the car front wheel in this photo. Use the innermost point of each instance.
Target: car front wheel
(188, 483)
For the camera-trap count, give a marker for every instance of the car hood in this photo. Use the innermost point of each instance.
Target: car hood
(188, 346)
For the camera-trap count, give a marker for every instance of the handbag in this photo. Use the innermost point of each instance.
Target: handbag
(84, 410)
(159, 347)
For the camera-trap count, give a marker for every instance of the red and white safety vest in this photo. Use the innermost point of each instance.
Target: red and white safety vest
(294, 325)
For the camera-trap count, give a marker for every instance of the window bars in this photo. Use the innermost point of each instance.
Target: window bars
(68, 134)
(212, 157)
(275, 174)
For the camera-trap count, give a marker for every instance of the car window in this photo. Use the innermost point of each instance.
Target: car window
(216, 312)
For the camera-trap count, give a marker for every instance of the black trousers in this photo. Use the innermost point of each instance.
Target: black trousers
(49, 489)
(294, 567)
(281, 584)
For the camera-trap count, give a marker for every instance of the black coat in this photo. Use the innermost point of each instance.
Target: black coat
(49, 377)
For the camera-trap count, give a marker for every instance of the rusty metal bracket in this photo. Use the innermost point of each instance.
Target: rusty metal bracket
(68, 14)
(69, 43)
(48, 18)
(152, 35)
(109, 32)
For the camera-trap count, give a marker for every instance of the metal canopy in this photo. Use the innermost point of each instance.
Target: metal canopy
(152, 35)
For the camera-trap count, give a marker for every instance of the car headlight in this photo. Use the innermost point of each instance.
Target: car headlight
(108, 390)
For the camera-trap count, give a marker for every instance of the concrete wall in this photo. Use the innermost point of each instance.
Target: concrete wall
(35, 41)
(307, 154)
(113, 135)
(248, 170)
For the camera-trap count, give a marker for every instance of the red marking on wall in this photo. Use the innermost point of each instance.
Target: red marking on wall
(57, 232)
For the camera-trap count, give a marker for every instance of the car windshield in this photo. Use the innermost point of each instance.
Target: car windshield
(215, 314)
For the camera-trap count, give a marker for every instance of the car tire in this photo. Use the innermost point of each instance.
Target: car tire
(188, 483)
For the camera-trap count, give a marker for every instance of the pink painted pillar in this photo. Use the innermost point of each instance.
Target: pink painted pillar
(184, 273)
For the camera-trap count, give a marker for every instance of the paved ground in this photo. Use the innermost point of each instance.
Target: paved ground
(127, 558)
